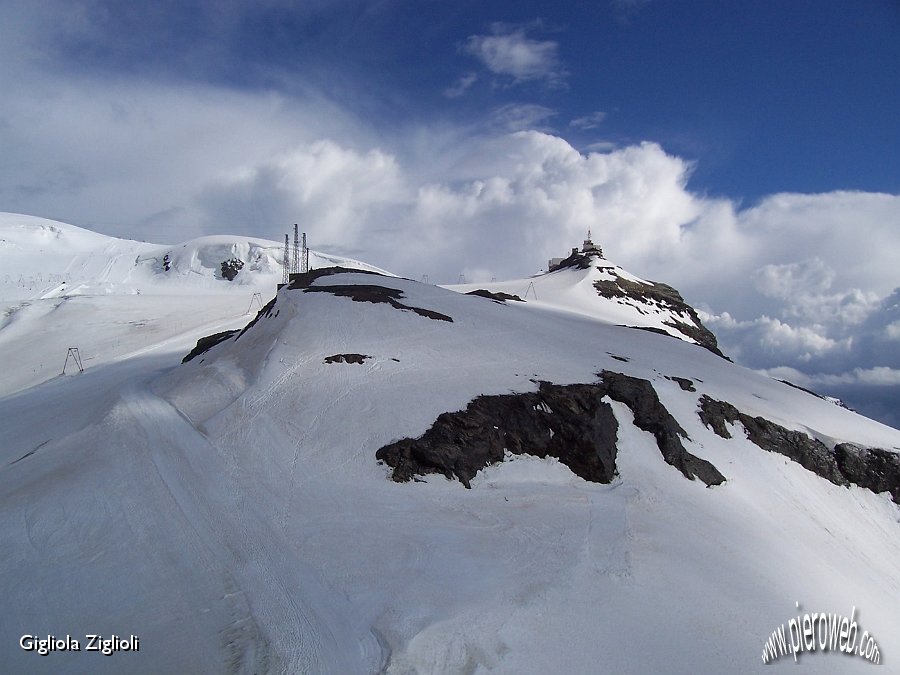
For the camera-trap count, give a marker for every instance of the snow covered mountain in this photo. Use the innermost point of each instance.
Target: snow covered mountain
(46, 258)
(586, 283)
(292, 498)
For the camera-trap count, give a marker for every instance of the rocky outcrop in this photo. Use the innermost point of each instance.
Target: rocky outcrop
(204, 344)
(650, 415)
(369, 293)
(499, 296)
(347, 358)
(872, 468)
(578, 260)
(268, 310)
(305, 279)
(683, 382)
(570, 422)
(663, 297)
(359, 292)
(231, 267)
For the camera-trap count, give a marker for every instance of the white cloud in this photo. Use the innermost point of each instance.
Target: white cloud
(508, 52)
(806, 279)
(521, 116)
(879, 376)
(792, 279)
(462, 85)
(116, 156)
(892, 331)
(591, 121)
(803, 288)
(600, 146)
(337, 192)
(796, 281)
(765, 338)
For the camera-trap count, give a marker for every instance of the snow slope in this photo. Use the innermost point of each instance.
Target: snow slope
(589, 284)
(231, 513)
(44, 258)
(114, 298)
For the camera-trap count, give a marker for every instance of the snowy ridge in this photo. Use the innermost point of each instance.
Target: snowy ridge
(588, 284)
(231, 511)
(48, 259)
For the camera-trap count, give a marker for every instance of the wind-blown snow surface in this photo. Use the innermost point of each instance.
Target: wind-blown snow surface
(231, 513)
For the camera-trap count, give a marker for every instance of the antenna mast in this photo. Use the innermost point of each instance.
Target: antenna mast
(304, 267)
(295, 260)
(285, 263)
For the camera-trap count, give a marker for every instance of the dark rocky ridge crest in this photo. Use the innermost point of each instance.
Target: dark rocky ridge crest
(204, 344)
(650, 293)
(569, 422)
(577, 260)
(304, 280)
(377, 294)
(498, 297)
(872, 468)
(666, 298)
(358, 292)
(347, 358)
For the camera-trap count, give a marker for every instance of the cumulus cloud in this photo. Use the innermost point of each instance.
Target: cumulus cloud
(507, 51)
(503, 206)
(758, 341)
(118, 157)
(337, 192)
(804, 282)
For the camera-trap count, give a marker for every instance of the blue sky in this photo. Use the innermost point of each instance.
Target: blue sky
(764, 96)
(744, 152)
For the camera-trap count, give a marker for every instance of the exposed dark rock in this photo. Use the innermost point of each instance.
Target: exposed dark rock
(872, 468)
(578, 260)
(699, 334)
(569, 422)
(363, 293)
(623, 359)
(653, 329)
(809, 452)
(683, 382)
(499, 297)
(797, 386)
(304, 280)
(666, 298)
(651, 415)
(376, 294)
(347, 358)
(231, 267)
(167, 265)
(204, 344)
(266, 312)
